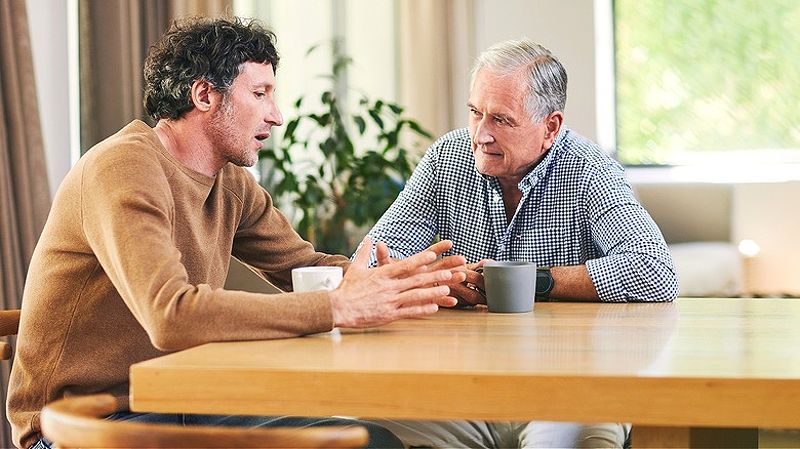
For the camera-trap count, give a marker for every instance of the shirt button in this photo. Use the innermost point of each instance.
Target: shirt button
(501, 247)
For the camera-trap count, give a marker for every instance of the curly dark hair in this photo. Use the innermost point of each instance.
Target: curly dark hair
(201, 49)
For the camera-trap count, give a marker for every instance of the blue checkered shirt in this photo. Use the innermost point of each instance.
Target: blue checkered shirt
(576, 208)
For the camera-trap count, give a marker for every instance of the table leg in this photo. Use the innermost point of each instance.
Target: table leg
(709, 437)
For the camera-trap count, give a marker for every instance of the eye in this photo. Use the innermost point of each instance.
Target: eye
(500, 120)
(474, 112)
(259, 94)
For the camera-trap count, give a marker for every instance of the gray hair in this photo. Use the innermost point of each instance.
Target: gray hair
(546, 77)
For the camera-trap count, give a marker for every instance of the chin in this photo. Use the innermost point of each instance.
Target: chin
(245, 160)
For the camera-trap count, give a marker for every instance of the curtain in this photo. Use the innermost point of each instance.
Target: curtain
(437, 36)
(115, 37)
(24, 193)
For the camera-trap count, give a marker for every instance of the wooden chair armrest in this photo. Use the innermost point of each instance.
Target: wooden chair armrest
(9, 322)
(78, 422)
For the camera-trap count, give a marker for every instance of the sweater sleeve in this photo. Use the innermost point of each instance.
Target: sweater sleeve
(127, 218)
(266, 240)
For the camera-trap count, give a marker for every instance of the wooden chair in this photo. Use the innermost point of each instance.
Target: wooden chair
(78, 422)
(9, 324)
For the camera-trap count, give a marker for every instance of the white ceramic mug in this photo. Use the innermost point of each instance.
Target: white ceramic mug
(310, 279)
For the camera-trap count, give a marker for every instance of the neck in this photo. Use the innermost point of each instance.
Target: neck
(511, 195)
(188, 144)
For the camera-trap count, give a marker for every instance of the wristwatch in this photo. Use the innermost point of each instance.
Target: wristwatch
(544, 284)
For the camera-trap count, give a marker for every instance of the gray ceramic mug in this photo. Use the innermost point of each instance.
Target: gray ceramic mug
(510, 286)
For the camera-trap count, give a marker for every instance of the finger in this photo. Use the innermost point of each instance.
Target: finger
(416, 311)
(467, 295)
(420, 295)
(409, 265)
(473, 277)
(382, 254)
(454, 263)
(478, 264)
(363, 253)
(447, 301)
(441, 247)
(416, 299)
(458, 278)
(441, 277)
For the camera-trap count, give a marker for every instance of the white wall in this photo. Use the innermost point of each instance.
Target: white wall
(48, 29)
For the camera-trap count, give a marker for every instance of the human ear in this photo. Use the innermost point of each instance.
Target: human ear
(552, 125)
(203, 95)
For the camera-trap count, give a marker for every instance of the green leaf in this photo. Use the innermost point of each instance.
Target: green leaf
(376, 118)
(290, 127)
(360, 123)
(419, 130)
(311, 49)
(340, 64)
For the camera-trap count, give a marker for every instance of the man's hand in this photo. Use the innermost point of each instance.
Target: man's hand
(471, 291)
(408, 288)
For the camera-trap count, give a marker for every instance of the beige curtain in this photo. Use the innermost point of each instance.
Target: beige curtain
(435, 50)
(24, 193)
(115, 36)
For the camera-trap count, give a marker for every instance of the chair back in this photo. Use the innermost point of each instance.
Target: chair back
(77, 421)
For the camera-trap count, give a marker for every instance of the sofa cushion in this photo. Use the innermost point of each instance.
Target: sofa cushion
(708, 268)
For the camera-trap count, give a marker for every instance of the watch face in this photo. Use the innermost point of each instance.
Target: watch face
(544, 282)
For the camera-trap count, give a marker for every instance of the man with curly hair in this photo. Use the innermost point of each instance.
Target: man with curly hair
(134, 255)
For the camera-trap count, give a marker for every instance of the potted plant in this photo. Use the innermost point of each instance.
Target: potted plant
(339, 169)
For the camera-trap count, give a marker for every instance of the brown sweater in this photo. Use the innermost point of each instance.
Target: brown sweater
(131, 265)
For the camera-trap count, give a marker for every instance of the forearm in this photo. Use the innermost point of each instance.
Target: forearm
(573, 282)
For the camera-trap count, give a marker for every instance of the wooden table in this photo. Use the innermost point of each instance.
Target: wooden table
(664, 367)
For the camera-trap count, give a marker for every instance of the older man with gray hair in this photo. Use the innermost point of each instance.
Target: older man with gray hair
(518, 185)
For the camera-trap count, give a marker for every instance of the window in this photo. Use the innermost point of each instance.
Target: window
(701, 79)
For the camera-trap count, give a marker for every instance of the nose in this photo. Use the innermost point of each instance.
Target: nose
(482, 134)
(274, 116)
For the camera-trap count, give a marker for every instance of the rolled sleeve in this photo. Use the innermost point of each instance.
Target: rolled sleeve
(637, 265)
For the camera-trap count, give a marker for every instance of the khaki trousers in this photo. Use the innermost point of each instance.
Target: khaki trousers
(504, 434)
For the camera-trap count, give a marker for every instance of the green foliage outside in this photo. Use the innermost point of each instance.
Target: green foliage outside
(698, 76)
(340, 169)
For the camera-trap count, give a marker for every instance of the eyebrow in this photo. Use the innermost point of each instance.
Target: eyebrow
(505, 117)
(266, 86)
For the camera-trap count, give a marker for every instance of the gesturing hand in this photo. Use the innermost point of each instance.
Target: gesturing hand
(408, 288)
(467, 290)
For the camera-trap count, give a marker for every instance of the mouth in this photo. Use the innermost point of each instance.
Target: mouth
(263, 136)
(488, 152)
